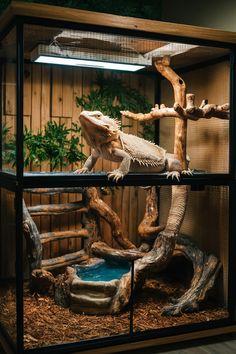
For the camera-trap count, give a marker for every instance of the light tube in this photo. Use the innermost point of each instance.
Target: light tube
(87, 63)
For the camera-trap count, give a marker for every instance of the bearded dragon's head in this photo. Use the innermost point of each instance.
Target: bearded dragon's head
(98, 129)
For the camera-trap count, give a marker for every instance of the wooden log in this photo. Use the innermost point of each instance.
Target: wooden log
(60, 235)
(104, 211)
(147, 228)
(32, 237)
(101, 249)
(63, 261)
(55, 209)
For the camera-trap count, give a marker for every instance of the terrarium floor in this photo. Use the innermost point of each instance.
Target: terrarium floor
(47, 323)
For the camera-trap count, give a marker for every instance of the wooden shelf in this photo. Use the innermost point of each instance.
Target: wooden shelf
(19, 8)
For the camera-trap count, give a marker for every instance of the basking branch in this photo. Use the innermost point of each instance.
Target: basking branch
(205, 110)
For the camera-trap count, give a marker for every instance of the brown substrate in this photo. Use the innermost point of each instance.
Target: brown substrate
(47, 323)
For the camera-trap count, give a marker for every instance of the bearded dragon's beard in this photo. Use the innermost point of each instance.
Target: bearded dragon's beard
(95, 141)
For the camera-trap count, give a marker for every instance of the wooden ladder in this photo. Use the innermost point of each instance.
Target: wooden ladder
(36, 241)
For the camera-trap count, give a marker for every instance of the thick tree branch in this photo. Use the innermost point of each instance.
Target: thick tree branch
(179, 87)
(191, 112)
(95, 203)
(101, 249)
(147, 229)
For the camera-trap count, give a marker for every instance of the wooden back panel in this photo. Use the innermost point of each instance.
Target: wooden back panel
(49, 94)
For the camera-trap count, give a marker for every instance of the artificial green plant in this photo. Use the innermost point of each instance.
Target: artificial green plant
(110, 95)
(55, 144)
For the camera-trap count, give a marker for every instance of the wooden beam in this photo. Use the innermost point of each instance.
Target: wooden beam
(20, 8)
(64, 261)
(55, 209)
(61, 235)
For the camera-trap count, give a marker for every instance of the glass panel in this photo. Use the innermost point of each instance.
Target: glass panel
(8, 101)
(65, 228)
(61, 92)
(189, 288)
(7, 263)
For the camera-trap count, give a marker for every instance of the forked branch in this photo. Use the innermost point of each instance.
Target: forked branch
(192, 112)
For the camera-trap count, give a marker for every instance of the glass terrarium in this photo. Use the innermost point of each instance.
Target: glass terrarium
(117, 181)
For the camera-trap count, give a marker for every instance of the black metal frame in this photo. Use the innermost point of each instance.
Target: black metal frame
(17, 183)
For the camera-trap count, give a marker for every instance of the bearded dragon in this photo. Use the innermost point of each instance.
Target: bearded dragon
(104, 136)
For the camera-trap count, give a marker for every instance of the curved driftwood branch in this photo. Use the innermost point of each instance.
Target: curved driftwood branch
(104, 211)
(147, 228)
(194, 113)
(164, 244)
(32, 237)
(179, 87)
(161, 252)
(205, 270)
(101, 249)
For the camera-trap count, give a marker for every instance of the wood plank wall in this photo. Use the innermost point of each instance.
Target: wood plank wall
(49, 94)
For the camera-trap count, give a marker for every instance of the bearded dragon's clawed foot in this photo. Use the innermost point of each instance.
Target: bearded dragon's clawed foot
(187, 172)
(173, 175)
(115, 175)
(81, 170)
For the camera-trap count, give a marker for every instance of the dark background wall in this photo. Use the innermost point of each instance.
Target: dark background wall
(209, 13)
(219, 14)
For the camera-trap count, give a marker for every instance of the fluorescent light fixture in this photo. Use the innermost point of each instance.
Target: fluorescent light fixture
(55, 55)
(88, 63)
(89, 58)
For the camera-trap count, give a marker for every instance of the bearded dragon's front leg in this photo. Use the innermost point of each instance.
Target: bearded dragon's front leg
(174, 168)
(124, 167)
(89, 163)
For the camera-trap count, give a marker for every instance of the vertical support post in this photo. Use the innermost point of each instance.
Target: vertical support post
(231, 253)
(1, 142)
(19, 186)
(232, 189)
(131, 322)
(232, 120)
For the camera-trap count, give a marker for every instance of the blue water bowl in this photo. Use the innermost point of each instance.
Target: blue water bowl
(102, 271)
(94, 286)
